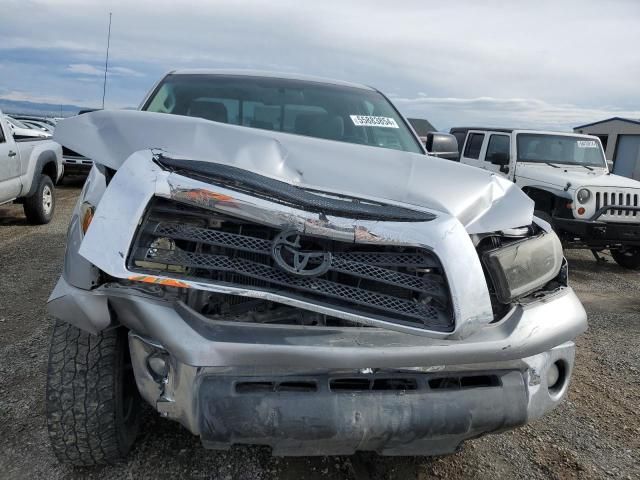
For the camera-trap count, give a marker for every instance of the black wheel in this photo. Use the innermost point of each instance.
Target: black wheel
(627, 257)
(93, 405)
(40, 206)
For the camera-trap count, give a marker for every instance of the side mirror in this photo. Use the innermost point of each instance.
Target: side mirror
(610, 165)
(442, 145)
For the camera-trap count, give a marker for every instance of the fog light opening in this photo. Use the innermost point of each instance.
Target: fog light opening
(556, 377)
(158, 365)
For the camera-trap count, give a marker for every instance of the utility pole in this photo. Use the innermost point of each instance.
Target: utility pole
(106, 63)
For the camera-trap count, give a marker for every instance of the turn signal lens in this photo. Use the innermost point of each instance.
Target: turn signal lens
(581, 211)
(86, 216)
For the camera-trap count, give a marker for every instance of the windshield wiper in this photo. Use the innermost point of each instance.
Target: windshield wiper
(587, 167)
(552, 164)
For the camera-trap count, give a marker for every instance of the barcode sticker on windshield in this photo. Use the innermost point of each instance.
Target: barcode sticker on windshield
(373, 121)
(587, 144)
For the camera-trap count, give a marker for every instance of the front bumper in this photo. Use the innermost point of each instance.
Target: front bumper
(76, 165)
(595, 233)
(206, 360)
(329, 412)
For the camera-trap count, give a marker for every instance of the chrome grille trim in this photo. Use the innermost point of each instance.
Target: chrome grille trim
(402, 285)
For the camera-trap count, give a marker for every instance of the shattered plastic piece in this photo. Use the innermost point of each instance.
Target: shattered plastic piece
(167, 282)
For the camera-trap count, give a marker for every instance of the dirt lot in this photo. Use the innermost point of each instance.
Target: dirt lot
(595, 434)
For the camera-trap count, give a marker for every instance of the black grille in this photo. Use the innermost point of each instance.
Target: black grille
(396, 284)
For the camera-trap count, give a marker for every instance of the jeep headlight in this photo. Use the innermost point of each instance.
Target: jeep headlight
(583, 195)
(523, 267)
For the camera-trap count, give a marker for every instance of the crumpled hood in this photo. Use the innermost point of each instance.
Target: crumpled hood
(577, 176)
(481, 201)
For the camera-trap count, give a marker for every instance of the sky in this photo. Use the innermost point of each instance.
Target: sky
(536, 64)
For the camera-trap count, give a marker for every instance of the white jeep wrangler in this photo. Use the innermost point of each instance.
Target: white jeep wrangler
(568, 178)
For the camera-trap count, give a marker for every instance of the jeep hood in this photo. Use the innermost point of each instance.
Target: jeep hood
(575, 175)
(481, 201)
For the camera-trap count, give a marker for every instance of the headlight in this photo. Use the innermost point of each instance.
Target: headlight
(583, 195)
(522, 267)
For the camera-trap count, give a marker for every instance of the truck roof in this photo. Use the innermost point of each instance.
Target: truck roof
(466, 129)
(259, 73)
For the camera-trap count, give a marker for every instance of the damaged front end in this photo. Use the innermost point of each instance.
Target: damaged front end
(313, 320)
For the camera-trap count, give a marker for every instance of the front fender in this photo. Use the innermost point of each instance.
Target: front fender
(50, 153)
(77, 270)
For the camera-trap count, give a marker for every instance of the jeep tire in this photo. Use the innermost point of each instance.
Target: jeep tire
(92, 403)
(40, 206)
(627, 257)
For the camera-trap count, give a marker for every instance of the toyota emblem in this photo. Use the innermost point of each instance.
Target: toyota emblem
(290, 257)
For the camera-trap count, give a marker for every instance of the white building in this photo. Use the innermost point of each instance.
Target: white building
(620, 138)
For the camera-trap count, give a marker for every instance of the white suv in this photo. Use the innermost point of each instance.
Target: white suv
(568, 178)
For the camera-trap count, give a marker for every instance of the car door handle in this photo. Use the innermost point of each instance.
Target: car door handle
(12, 153)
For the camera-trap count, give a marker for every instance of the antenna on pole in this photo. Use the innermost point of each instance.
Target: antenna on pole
(106, 63)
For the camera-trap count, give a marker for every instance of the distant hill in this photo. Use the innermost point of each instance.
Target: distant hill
(39, 109)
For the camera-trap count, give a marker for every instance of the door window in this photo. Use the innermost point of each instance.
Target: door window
(474, 145)
(498, 148)
(460, 138)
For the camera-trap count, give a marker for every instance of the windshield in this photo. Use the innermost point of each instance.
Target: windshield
(333, 112)
(17, 123)
(562, 149)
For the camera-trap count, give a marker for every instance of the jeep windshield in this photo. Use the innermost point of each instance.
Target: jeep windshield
(563, 149)
(315, 109)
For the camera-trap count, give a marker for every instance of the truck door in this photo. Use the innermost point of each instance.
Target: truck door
(498, 154)
(471, 154)
(9, 165)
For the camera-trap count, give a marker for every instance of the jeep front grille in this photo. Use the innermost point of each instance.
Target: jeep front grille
(402, 285)
(616, 199)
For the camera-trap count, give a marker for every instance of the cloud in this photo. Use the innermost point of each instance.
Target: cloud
(124, 71)
(496, 60)
(446, 112)
(20, 96)
(85, 69)
(91, 70)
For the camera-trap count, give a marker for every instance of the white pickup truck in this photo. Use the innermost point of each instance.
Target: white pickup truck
(568, 178)
(29, 168)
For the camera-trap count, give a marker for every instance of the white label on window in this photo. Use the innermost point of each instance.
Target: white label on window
(587, 144)
(373, 121)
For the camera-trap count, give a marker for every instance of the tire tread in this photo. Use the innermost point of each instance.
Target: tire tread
(80, 398)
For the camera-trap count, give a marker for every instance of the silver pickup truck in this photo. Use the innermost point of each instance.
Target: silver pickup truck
(29, 169)
(274, 260)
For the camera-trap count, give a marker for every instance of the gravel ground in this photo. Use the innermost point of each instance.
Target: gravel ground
(594, 434)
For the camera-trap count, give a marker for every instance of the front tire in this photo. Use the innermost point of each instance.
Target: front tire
(93, 405)
(627, 258)
(40, 206)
